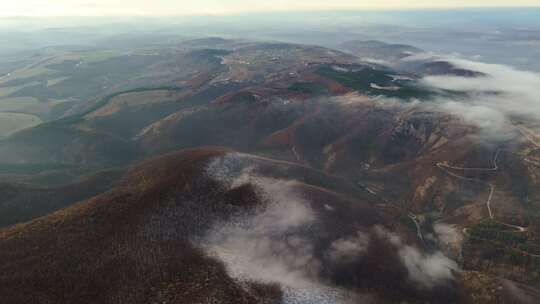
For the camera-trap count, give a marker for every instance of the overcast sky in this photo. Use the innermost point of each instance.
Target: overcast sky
(47, 8)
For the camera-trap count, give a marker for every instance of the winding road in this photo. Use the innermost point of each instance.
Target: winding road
(412, 216)
(495, 167)
(529, 137)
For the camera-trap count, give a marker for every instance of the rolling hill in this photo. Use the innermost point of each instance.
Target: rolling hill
(226, 171)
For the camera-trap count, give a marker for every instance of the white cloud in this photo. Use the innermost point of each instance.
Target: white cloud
(505, 93)
(492, 121)
(519, 89)
(427, 269)
(447, 234)
(500, 78)
(267, 246)
(420, 57)
(273, 243)
(348, 249)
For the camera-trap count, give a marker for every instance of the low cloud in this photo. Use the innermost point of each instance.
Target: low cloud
(495, 100)
(500, 78)
(422, 56)
(447, 234)
(269, 245)
(376, 61)
(348, 249)
(427, 269)
(492, 102)
(275, 242)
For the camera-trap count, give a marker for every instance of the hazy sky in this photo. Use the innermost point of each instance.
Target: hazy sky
(203, 7)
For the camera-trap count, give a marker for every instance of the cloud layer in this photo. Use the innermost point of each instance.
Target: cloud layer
(504, 95)
(427, 269)
(267, 246)
(276, 243)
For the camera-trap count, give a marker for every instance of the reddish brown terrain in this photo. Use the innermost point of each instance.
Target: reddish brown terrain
(271, 173)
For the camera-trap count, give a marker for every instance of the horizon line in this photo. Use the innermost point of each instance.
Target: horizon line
(276, 12)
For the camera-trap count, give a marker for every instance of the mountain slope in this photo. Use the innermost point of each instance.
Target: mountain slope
(113, 249)
(21, 203)
(197, 225)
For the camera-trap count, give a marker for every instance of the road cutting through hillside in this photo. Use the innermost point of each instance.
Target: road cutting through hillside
(418, 228)
(293, 149)
(528, 136)
(412, 216)
(530, 161)
(495, 167)
(526, 133)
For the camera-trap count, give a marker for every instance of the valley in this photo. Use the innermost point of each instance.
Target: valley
(240, 171)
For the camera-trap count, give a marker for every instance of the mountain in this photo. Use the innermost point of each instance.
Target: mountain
(446, 68)
(373, 49)
(228, 171)
(168, 230)
(405, 58)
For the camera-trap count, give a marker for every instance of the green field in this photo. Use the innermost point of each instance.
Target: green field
(6, 91)
(30, 168)
(362, 81)
(13, 122)
(308, 87)
(17, 103)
